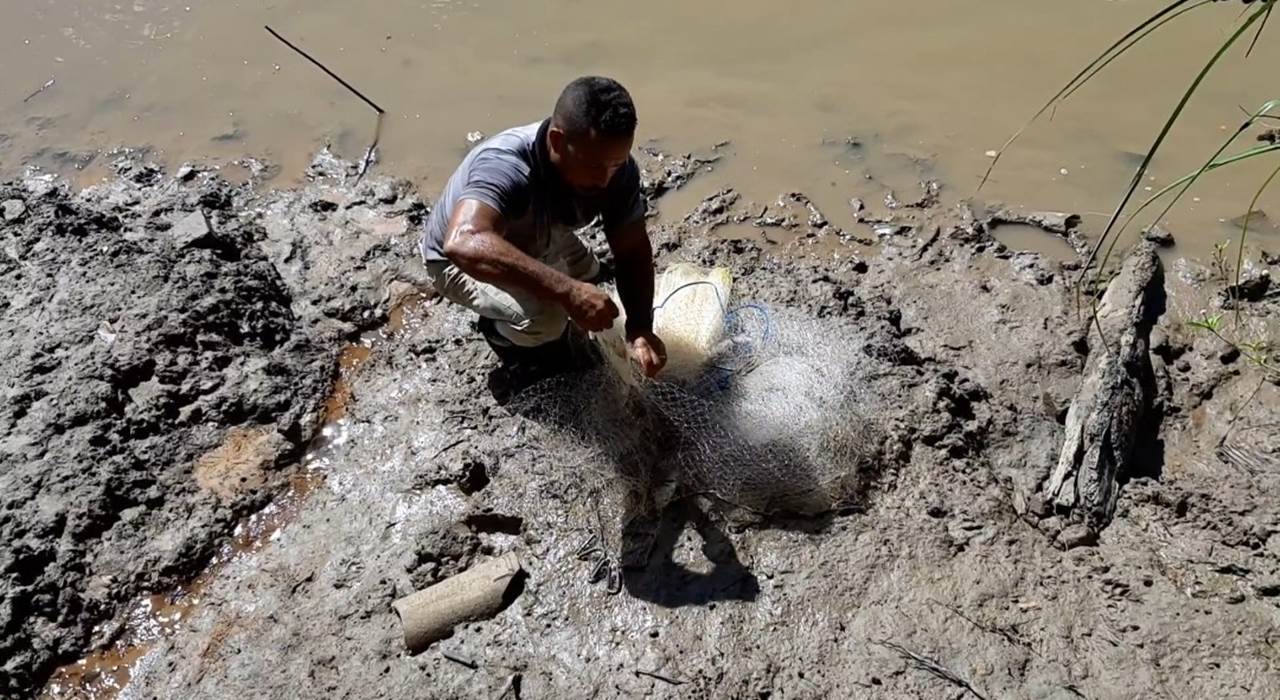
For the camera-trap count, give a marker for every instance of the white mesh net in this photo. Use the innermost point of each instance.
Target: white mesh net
(689, 317)
(761, 411)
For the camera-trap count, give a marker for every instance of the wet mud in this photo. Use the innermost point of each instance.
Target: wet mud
(170, 359)
(972, 352)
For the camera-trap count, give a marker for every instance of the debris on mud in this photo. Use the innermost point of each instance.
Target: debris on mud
(663, 172)
(14, 209)
(1158, 235)
(929, 197)
(47, 84)
(1251, 288)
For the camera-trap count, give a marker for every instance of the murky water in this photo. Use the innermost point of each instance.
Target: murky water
(932, 82)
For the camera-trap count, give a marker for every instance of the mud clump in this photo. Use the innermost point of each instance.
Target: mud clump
(162, 369)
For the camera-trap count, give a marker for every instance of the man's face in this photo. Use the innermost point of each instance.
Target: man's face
(588, 163)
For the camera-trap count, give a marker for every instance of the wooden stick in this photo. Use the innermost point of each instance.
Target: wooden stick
(330, 73)
(934, 668)
(464, 661)
(44, 87)
(659, 676)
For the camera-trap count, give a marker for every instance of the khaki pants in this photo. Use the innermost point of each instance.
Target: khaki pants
(519, 316)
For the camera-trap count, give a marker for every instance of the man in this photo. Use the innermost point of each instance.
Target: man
(501, 239)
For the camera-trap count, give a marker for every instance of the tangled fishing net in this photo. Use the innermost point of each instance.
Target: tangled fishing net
(758, 409)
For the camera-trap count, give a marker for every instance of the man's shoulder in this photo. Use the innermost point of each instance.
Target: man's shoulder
(518, 140)
(509, 154)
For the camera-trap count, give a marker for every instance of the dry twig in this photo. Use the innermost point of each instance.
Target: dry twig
(932, 667)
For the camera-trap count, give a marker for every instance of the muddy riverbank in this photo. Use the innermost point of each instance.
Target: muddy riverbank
(170, 352)
(175, 340)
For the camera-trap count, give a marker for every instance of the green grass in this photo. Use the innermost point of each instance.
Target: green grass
(1255, 14)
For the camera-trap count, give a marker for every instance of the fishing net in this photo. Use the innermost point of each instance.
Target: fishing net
(760, 410)
(690, 317)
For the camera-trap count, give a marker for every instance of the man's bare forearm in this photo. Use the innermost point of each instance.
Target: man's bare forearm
(488, 257)
(634, 260)
(476, 245)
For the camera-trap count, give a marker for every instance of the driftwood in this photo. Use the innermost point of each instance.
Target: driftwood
(1115, 394)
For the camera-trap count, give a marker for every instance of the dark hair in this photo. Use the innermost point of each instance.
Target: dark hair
(592, 103)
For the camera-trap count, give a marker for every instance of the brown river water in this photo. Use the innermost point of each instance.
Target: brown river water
(927, 87)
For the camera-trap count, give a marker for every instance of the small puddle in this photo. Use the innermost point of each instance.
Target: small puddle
(349, 360)
(237, 173)
(1023, 237)
(105, 673)
(407, 313)
(89, 175)
(102, 675)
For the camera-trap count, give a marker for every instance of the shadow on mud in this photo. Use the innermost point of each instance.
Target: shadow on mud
(664, 581)
(668, 459)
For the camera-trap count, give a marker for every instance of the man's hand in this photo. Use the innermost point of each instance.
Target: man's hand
(648, 351)
(589, 307)
(633, 256)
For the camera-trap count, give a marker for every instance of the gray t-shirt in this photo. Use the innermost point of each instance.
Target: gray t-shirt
(512, 172)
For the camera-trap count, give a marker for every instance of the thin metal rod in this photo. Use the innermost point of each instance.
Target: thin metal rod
(330, 73)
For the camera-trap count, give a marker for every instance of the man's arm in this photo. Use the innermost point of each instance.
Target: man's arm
(633, 258)
(476, 243)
